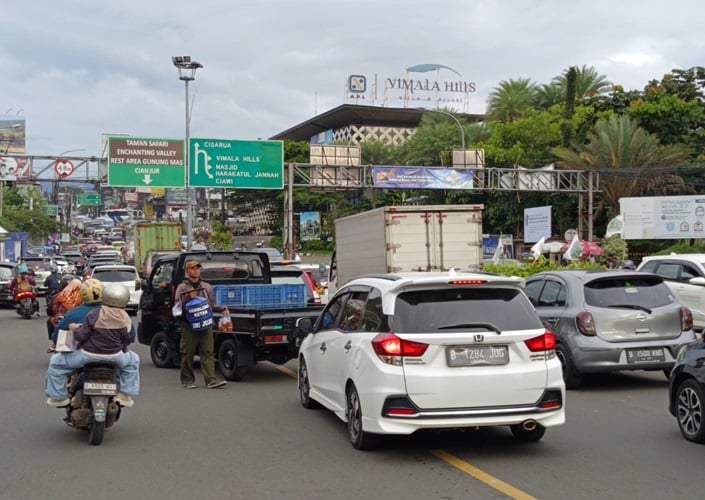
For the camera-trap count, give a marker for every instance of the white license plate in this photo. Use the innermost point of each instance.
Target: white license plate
(648, 355)
(477, 355)
(99, 388)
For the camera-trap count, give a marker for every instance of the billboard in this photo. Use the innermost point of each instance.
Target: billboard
(663, 217)
(12, 136)
(310, 226)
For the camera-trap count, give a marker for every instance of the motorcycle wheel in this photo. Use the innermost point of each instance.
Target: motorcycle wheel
(95, 435)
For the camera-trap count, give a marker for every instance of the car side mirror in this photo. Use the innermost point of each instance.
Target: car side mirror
(305, 325)
(146, 286)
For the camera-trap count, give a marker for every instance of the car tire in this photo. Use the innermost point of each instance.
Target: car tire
(304, 384)
(529, 436)
(160, 352)
(228, 361)
(571, 376)
(360, 439)
(690, 411)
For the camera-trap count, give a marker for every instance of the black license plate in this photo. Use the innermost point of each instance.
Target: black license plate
(649, 355)
(477, 355)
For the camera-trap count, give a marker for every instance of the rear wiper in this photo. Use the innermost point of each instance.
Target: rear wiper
(630, 306)
(486, 326)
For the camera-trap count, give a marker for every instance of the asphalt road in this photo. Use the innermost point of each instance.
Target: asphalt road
(253, 440)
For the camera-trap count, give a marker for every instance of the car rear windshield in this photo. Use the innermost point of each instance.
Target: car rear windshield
(465, 309)
(113, 276)
(646, 292)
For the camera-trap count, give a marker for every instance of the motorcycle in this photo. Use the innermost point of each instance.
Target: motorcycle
(92, 391)
(26, 304)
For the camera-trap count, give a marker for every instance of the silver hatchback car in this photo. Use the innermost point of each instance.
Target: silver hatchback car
(609, 320)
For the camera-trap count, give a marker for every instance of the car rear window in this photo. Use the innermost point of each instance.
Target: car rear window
(427, 311)
(113, 276)
(646, 292)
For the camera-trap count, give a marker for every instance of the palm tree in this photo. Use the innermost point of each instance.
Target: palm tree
(623, 152)
(510, 99)
(587, 82)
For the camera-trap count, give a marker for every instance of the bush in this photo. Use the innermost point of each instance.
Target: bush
(536, 266)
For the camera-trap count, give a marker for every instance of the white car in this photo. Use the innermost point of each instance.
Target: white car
(121, 273)
(397, 353)
(684, 274)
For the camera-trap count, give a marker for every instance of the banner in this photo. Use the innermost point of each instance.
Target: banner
(421, 178)
(575, 250)
(537, 249)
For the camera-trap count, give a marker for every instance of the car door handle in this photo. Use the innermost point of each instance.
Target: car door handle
(347, 346)
(323, 347)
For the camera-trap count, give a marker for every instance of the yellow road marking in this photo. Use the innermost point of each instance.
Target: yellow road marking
(480, 475)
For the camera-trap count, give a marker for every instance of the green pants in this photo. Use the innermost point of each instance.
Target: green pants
(190, 341)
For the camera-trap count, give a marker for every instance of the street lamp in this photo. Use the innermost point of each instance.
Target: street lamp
(187, 72)
(460, 126)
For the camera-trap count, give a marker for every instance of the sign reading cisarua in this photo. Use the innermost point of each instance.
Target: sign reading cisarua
(144, 162)
(217, 163)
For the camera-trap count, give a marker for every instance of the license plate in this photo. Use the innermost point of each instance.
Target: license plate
(477, 355)
(99, 389)
(636, 356)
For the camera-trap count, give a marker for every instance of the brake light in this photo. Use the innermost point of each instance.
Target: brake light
(545, 342)
(686, 319)
(468, 282)
(391, 349)
(586, 324)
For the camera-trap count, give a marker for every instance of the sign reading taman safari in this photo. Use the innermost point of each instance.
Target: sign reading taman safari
(217, 163)
(140, 162)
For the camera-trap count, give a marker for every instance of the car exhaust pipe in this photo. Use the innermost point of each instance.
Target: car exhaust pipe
(529, 425)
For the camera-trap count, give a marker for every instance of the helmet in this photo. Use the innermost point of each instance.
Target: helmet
(628, 264)
(116, 295)
(54, 268)
(65, 280)
(91, 291)
(22, 268)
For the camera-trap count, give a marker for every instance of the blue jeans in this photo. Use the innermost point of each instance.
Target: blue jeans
(63, 364)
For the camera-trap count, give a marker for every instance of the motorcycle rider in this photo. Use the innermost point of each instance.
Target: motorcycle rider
(53, 282)
(103, 336)
(59, 303)
(23, 282)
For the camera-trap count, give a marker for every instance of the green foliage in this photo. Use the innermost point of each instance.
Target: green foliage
(221, 239)
(536, 266)
(616, 247)
(510, 100)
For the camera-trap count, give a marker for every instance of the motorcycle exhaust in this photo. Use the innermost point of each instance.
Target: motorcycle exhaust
(528, 425)
(112, 415)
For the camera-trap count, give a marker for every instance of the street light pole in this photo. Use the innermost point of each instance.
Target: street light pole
(460, 126)
(187, 73)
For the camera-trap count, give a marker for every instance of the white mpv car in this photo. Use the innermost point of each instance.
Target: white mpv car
(125, 274)
(397, 353)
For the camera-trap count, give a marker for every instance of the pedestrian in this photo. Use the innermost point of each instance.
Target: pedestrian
(192, 339)
(103, 335)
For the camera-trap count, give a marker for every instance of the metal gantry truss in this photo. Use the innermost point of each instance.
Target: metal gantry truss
(351, 178)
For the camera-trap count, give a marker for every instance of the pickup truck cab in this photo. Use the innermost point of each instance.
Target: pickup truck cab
(261, 331)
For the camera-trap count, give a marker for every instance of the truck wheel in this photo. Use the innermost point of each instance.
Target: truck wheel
(228, 361)
(159, 350)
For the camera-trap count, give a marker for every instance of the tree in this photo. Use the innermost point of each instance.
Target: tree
(510, 100)
(622, 152)
(588, 82)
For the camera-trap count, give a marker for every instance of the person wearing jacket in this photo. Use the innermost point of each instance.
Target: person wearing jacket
(189, 289)
(103, 335)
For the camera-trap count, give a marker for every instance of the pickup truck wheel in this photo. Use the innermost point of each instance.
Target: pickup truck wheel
(228, 361)
(159, 350)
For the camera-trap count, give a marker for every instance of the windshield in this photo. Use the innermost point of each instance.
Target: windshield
(112, 276)
(38, 265)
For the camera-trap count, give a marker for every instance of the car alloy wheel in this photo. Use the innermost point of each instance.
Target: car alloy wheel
(689, 411)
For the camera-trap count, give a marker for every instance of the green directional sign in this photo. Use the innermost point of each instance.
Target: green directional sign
(50, 210)
(217, 163)
(145, 162)
(88, 199)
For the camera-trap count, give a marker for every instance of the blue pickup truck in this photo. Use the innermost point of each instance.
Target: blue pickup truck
(264, 315)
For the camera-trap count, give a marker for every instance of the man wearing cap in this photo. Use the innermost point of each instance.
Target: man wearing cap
(189, 289)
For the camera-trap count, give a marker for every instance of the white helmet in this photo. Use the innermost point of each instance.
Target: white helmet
(116, 295)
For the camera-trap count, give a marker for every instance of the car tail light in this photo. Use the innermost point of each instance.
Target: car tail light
(686, 319)
(468, 282)
(391, 349)
(586, 324)
(545, 342)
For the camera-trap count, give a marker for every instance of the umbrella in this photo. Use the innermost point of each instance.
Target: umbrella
(589, 248)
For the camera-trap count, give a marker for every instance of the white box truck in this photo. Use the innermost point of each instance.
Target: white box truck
(407, 238)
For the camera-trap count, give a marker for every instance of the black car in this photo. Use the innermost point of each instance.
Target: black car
(686, 391)
(8, 271)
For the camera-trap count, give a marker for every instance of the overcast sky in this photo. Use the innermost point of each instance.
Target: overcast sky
(76, 69)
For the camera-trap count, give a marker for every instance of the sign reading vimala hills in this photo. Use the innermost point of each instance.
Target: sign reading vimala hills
(216, 163)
